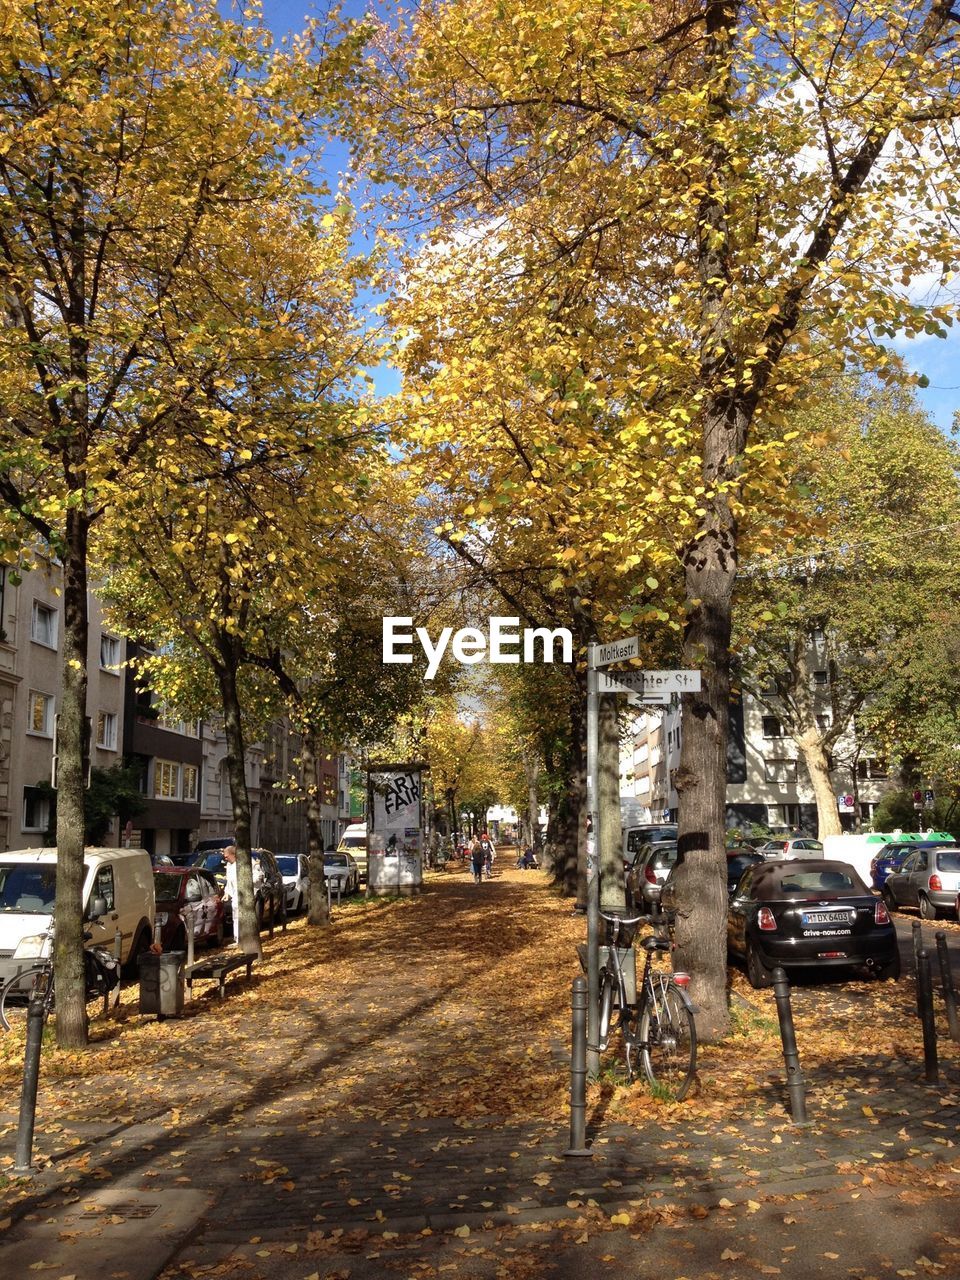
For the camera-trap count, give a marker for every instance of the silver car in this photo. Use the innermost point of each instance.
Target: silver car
(791, 847)
(649, 871)
(928, 879)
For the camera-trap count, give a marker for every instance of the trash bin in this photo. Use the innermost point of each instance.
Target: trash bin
(161, 983)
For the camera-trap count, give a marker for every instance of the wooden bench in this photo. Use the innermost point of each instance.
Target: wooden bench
(216, 968)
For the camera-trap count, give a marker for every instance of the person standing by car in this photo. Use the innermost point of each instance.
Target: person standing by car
(230, 888)
(476, 859)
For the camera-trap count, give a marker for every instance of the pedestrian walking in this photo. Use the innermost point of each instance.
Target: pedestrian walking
(489, 850)
(476, 859)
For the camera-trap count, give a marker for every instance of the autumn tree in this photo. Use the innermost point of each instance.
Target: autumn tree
(877, 570)
(134, 134)
(667, 221)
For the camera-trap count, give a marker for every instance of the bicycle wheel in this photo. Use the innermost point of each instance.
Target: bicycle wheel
(16, 994)
(667, 1041)
(608, 1002)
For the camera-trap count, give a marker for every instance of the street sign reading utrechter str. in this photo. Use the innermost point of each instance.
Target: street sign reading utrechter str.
(650, 684)
(602, 655)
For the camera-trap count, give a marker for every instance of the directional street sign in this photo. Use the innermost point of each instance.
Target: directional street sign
(602, 655)
(651, 685)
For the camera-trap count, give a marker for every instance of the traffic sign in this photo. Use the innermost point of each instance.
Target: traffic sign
(602, 655)
(651, 684)
(619, 683)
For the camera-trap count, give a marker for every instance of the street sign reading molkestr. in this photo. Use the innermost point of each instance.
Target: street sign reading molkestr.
(650, 683)
(602, 655)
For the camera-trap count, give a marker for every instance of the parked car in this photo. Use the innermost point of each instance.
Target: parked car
(891, 858)
(739, 858)
(338, 865)
(179, 888)
(637, 838)
(928, 879)
(809, 913)
(791, 847)
(271, 896)
(117, 896)
(296, 879)
(648, 874)
(354, 842)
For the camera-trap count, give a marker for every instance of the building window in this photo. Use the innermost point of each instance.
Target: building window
(871, 768)
(780, 770)
(43, 626)
(107, 730)
(40, 714)
(817, 635)
(110, 654)
(166, 780)
(823, 723)
(821, 678)
(36, 809)
(191, 782)
(772, 728)
(175, 724)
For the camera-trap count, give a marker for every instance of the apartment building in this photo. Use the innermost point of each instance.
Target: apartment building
(31, 622)
(767, 781)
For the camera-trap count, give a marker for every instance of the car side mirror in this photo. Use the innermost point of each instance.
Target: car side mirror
(98, 908)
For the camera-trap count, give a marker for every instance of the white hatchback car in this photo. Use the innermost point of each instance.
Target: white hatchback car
(791, 847)
(296, 879)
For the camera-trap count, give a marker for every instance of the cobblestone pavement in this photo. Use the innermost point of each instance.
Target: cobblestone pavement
(253, 1183)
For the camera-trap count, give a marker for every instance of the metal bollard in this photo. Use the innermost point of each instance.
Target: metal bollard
(578, 1072)
(946, 983)
(931, 1068)
(917, 948)
(788, 1037)
(36, 1016)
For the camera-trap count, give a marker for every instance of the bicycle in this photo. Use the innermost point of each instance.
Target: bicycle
(659, 1030)
(101, 976)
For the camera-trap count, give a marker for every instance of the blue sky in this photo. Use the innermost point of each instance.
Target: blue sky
(936, 358)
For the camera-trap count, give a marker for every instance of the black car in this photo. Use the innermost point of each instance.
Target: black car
(271, 894)
(809, 913)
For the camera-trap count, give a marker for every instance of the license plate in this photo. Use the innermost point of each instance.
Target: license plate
(825, 917)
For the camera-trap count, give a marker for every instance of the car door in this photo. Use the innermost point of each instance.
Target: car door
(917, 879)
(900, 884)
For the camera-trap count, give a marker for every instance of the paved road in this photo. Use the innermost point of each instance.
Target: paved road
(230, 1156)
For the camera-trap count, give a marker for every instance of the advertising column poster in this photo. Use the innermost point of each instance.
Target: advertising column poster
(395, 829)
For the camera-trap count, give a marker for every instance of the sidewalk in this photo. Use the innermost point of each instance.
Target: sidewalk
(390, 1098)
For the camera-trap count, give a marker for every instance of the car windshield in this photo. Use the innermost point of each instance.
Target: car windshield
(27, 887)
(288, 863)
(334, 859)
(214, 861)
(948, 860)
(665, 857)
(353, 842)
(166, 887)
(816, 882)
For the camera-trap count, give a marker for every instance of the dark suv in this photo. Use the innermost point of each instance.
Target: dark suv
(271, 897)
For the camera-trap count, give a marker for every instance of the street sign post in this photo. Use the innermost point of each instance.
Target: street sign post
(649, 688)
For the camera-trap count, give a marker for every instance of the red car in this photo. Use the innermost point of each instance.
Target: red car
(177, 888)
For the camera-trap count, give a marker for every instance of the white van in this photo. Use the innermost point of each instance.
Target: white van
(121, 878)
(859, 849)
(354, 841)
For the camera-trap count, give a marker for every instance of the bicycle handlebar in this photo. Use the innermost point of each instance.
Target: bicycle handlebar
(644, 919)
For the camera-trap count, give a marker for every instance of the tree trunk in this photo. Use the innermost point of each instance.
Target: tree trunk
(571, 871)
(317, 912)
(531, 768)
(612, 887)
(71, 783)
(814, 755)
(226, 670)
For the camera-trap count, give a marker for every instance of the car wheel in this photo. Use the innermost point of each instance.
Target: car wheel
(889, 901)
(890, 970)
(258, 907)
(758, 975)
(141, 944)
(927, 910)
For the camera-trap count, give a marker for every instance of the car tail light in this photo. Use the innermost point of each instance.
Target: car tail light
(682, 979)
(935, 884)
(649, 875)
(880, 914)
(766, 919)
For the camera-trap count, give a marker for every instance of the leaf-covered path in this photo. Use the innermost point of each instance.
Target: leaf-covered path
(388, 1090)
